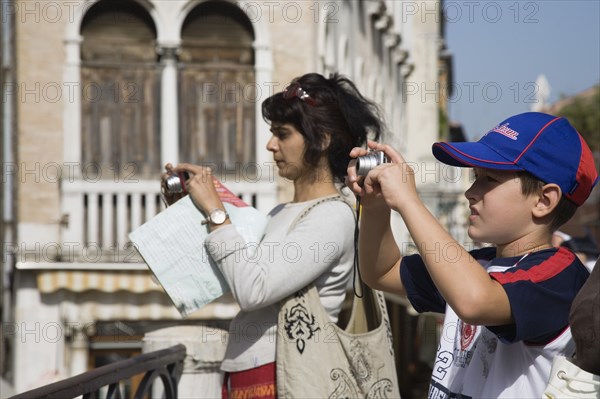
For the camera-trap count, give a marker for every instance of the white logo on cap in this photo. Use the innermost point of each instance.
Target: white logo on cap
(505, 131)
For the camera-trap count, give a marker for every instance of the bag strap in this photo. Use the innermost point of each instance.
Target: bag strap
(369, 309)
(355, 209)
(300, 216)
(305, 211)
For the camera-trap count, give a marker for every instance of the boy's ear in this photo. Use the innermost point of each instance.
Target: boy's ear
(548, 199)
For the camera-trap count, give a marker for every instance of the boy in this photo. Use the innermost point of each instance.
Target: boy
(507, 306)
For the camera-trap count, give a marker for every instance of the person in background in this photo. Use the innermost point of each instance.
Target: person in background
(585, 248)
(585, 325)
(507, 306)
(578, 376)
(559, 237)
(315, 122)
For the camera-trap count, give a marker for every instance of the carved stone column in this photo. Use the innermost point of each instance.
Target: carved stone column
(169, 106)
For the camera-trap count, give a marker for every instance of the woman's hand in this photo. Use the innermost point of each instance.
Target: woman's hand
(170, 198)
(201, 187)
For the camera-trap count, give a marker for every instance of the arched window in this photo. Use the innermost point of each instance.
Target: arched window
(120, 90)
(217, 87)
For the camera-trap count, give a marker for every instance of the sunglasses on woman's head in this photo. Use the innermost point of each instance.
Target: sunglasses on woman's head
(294, 90)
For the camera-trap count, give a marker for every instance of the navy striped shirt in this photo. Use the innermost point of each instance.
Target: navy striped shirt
(540, 287)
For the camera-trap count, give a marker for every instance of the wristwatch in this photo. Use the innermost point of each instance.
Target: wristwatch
(216, 217)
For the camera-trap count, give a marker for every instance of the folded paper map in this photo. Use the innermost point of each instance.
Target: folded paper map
(172, 245)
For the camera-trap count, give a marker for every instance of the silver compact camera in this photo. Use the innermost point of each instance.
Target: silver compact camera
(367, 162)
(175, 182)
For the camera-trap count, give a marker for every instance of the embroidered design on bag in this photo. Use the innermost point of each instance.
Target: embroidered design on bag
(361, 367)
(386, 322)
(381, 389)
(390, 339)
(300, 326)
(300, 294)
(345, 387)
(362, 363)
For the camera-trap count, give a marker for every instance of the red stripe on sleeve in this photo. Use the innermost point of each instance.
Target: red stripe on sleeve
(538, 273)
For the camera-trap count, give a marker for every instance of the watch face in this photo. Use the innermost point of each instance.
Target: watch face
(218, 216)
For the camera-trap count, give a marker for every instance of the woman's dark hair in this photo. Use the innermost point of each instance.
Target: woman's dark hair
(335, 109)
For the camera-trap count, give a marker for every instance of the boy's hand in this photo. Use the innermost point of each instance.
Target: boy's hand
(394, 182)
(355, 182)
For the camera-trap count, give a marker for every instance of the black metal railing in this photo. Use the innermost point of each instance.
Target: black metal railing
(166, 364)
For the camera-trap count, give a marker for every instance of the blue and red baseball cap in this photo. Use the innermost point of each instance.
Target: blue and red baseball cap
(546, 146)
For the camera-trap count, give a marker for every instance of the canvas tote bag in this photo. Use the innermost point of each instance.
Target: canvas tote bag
(318, 359)
(315, 358)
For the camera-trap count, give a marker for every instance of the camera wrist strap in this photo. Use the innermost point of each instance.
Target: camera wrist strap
(356, 272)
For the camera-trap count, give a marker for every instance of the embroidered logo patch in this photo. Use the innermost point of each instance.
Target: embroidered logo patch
(505, 131)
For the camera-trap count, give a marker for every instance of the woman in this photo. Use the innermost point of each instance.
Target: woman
(315, 122)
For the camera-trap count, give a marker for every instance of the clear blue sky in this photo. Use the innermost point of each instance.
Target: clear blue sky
(501, 47)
